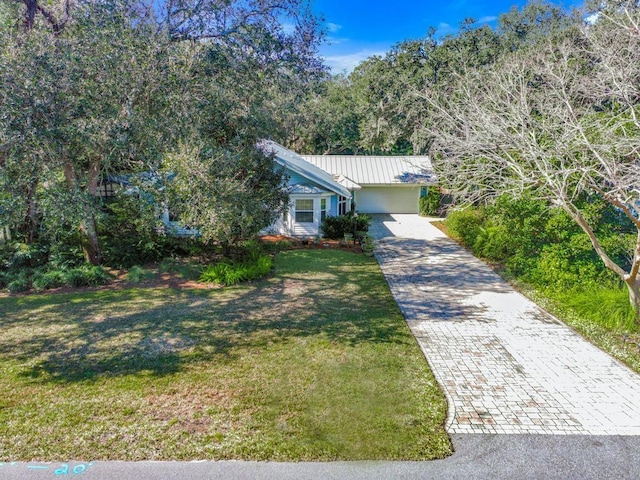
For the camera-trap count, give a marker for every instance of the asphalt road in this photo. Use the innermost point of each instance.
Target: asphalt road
(477, 457)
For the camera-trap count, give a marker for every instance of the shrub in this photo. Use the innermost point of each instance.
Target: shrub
(18, 283)
(336, 227)
(44, 280)
(138, 274)
(465, 225)
(16, 255)
(86, 276)
(226, 273)
(131, 233)
(494, 243)
(607, 307)
(430, 204)
(251, 250)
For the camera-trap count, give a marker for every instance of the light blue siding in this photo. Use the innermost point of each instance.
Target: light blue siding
(295, 179)
(333, 207)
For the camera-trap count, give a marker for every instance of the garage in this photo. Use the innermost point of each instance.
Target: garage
(388, 199)
(380, 184)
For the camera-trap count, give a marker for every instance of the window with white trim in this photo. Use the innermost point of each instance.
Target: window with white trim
(304, 210)
(323, 209)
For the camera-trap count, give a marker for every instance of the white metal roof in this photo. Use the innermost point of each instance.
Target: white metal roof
(377, 170)
(299, 165)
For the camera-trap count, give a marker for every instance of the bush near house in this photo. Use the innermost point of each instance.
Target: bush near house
(232, 273)
(542, 248)
(250, 263)
(430, 203)
(335, 227)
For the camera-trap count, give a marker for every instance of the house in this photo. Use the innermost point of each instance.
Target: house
(322, 185)
(318, 186)
(314, 194)
(134, 184)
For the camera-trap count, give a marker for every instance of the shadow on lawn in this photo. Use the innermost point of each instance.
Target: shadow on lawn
(160, 331)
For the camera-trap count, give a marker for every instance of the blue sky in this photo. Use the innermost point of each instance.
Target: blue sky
(358, 29)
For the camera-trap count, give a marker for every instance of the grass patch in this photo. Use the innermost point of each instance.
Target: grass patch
(615, 333)
(313, 363)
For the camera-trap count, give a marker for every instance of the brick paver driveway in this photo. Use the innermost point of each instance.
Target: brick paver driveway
(506, 365)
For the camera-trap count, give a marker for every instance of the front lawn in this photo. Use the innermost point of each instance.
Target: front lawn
(313, 363)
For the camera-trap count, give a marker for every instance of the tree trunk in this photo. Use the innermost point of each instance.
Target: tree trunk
(88, 230)
(29, 19)
(633, 284)
(30, 224)
(90, 245)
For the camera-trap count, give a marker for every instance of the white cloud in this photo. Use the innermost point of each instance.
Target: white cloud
(445, 28)
(333, 27)
(487, 19)
(336, 41)
(347, 62)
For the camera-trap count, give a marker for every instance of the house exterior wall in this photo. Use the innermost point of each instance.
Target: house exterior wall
(388, 199)
(287, 224)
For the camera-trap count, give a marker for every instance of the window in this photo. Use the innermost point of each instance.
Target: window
(304, 210)
(323, 209)
(342, 205)
(107, 189)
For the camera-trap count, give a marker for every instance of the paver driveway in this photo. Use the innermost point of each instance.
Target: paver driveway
(506, 365)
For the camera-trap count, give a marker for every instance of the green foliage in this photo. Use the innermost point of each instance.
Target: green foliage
(137, 274)
(16, 255)
(336, 227)
(607, 307)
(131, 234)
(466, 225)
(232, 273)
(368, 244)
(86, 276)
(115, 95)
(430, 204)
(18, 283)
(228, 195)
(82, 276)
(44, 280)
(543, 245)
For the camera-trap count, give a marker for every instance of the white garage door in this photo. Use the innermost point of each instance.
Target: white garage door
(388, 199)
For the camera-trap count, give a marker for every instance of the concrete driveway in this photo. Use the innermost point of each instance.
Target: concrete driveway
(506, 366)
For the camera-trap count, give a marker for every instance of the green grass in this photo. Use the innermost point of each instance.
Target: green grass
(313, 363)
(601, 316)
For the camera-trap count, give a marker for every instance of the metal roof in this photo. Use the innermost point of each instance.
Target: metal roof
(377, 170)
(299, 165)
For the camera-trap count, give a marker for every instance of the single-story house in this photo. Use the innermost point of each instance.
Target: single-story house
(319, 186)
(322, 185)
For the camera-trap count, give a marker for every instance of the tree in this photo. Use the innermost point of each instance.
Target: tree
(121, 85)
(73, 108)
(560, 121)
(227, 195)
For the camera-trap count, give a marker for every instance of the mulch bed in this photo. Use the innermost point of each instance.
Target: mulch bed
(297, 243)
